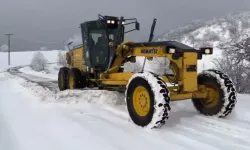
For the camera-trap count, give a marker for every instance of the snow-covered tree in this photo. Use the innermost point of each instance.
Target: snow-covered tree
(237, 70)
(235, 61)
(38, 62)
(61, 59)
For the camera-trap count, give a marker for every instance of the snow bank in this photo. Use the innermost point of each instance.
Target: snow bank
(91, 96)
(70, 96)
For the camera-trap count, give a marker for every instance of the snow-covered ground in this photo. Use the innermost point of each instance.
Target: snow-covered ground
(31, 116)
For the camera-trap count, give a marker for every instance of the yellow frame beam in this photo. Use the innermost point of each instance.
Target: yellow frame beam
(175, 94)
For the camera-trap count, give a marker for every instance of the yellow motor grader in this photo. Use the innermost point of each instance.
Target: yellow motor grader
(98, 63)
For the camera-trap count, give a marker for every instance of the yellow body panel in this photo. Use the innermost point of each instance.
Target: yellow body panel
(76, 59)
(189, 79)
(116, 78)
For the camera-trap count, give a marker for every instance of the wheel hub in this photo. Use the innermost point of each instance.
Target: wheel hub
(212, 97)
(141, 101)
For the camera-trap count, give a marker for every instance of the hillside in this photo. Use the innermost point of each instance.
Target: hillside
(211, 33)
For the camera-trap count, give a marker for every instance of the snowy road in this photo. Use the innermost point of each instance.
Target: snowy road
(98, 120)
(45, 82)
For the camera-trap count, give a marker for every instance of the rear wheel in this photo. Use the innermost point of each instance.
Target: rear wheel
(147, 99)
(221, 98)
(63, 78)
(75, 79)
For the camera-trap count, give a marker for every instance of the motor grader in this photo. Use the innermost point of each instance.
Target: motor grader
(98, 63)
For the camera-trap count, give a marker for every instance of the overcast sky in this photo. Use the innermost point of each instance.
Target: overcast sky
(54, 21)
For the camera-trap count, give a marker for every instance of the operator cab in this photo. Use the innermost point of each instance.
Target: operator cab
(96, 36)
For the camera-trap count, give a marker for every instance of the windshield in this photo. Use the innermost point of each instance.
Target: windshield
(100, 51)
(99, 35)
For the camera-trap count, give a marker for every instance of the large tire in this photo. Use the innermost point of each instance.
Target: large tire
(63, 78)
(75, 79)
(156, 95)
(224, 99)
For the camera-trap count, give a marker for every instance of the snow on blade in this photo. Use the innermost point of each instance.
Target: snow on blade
(92, 96)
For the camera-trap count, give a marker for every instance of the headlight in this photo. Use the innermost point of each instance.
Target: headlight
(171, 50)
(207, 51)
(113, 22)
(108, 21)
(123, 22)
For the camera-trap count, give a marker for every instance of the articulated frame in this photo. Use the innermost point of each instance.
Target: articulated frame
(184, 67)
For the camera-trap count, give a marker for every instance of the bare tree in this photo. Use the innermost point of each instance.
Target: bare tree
(61, 59)
(236, 62)
(236, 70)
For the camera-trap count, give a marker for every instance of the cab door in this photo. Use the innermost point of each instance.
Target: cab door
(87, 45)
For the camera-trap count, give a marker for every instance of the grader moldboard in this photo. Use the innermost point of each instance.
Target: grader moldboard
(98, 63)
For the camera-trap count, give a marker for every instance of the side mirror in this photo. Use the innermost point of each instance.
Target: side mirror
(137, 26)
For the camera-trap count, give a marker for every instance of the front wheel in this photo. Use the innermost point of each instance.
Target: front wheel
(147, 98)
(221, 98)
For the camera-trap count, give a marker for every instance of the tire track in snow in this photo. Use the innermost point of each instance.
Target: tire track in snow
(131, 132)
(125, 126)
(204, 136)
(44, 82)
(185, 140)
(107, 136)
(143, 134)
(189, 119)
(220, 124)
(243, 116)
(216, 130)
(242, 121)
(169, 140)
